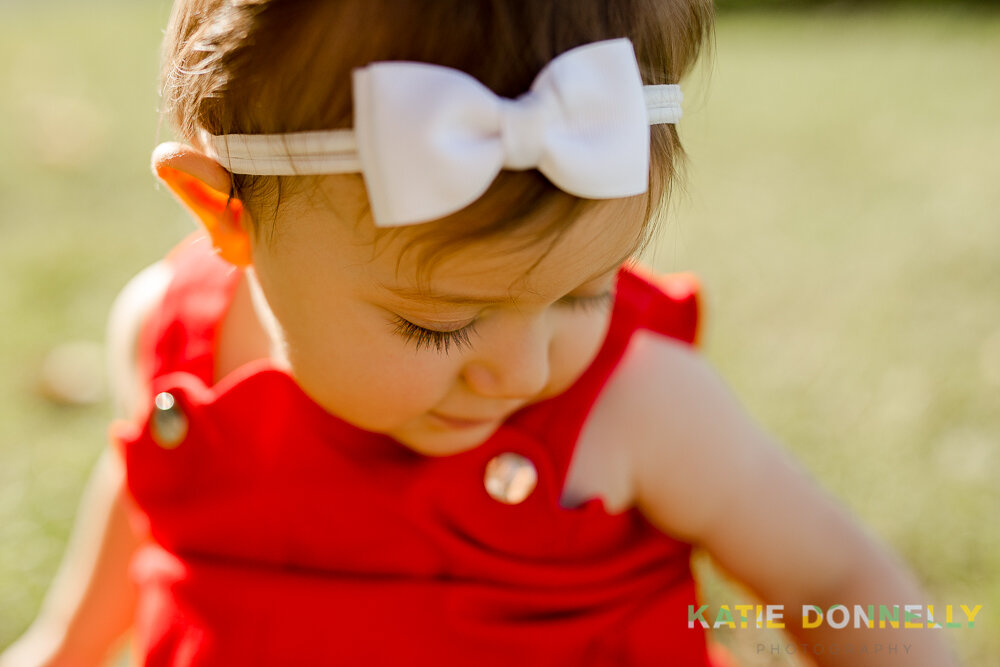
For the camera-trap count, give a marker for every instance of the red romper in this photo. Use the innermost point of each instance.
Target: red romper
(282, 535)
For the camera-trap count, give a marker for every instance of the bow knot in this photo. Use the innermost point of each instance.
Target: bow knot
(523, 125)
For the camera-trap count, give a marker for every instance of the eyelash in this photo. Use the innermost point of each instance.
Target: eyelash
(442, 340)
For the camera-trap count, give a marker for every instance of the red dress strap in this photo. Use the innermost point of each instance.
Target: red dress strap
(181, 334)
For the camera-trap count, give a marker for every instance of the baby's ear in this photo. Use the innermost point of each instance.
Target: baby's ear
(203, 186)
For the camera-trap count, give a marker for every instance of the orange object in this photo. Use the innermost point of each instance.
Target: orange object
(220, 214)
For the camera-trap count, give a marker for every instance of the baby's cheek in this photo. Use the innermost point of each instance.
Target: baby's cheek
(410, 382)
(573, 350)
(377, 383)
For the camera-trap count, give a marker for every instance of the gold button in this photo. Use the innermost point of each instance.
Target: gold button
(510, 478)
(168, 423)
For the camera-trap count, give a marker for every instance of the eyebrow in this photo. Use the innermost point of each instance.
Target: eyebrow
(473, 299)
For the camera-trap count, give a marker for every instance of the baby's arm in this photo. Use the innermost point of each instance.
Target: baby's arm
(709, 475)
(91, 601)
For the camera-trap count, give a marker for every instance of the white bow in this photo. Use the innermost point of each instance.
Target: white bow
(430, 140)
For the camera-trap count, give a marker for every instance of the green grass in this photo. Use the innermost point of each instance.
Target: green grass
(842, 210)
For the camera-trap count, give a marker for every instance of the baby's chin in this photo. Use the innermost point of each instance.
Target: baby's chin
(428, 436)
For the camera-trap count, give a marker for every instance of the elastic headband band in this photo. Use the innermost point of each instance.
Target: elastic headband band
(336, 151)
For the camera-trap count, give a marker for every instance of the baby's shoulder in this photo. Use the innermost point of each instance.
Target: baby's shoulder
(676, 426)
(650, 397)
(131, 308)
(630, 419)
(693, 449)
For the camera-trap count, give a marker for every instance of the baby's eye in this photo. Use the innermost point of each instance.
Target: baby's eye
(588, 302)
(440, 340)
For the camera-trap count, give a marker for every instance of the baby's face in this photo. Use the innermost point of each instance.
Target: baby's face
(350, 326)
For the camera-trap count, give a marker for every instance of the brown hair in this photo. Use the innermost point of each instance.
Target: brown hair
(270, 66)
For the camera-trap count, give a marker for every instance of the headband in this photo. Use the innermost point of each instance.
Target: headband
(429, 140)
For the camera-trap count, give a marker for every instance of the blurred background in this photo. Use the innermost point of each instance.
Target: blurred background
(841, 206)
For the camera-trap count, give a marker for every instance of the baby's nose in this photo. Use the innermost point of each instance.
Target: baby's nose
(515, 365)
